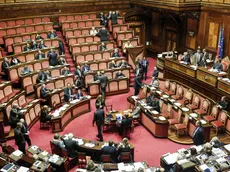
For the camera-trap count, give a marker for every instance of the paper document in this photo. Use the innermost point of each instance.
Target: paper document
(17, 153)
(171, 159)
(23, 169)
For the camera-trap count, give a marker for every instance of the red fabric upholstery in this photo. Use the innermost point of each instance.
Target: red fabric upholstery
(180, 126)
(209, 118)
(217, 124)
(173, 121)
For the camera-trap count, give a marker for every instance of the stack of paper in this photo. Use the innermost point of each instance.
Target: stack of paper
(54, 158)
(44, 153)
(23, 169)
(177, 104)
(227, 147)
(56, 113)
(88, 96)
(194, 115)
(158, 92)
(17, 153)
(203, 121)
(162, 118)
(138, 165)
(134, 97)
(90, 145)
(165, 96)
(154, 112)
(171, 159)
(75, 101)
(218, 152)
(80, 141)
(185, 109)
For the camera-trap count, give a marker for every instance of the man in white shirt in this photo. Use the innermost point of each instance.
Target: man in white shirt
(93, 32)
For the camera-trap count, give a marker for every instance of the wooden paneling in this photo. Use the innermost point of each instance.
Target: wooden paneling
(213, 33)
(192, 26)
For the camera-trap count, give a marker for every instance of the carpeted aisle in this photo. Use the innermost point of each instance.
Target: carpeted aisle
(147, 147)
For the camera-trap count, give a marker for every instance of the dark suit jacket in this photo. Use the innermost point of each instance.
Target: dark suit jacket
(24, 128)
(26, 48)
(53, 61)
(85, 68)
(103, 81)
(14, 117)
(112, 65)
(96, 77)
(187, 59)
(42, 77)
(155, 73)
(43, 92)
(18, 136)
(25, 71)
(79, 83)
(143, 62)
(103, 35)
(121, 64)
(41, 46)
(126, 122)
(44, 116)
(114, 18)
(223, 104)
(115, 54)
(39, 56)
(109, 150)
(119, 75)
(155, 104)
(99, 103)
(198, 137)
(52, 35)
(65, 72)
(99, 117)
(137, 82)
(78, 72)
(5, 65)
(72, 147)
(38, 37)
(78, 95)
(61, 48)
(66, 93)
(13, 63)
(218, 66)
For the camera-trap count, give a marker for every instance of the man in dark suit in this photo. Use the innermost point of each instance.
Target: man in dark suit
(61, 48)
(27, 47)
(34, 45)
(52, 34)
(78, 83)
(103, 34)
(198, 134)
(154, 103)
(119, 75)
(25, 131)
(103, 47)
(85, 68)
(137, 84)
(114, 18)
(39, 55)
(115, 53)
(138, 70)
(65, 71)
(112, 65)
(144, 64)
(52, 55)
(25, 70)
(103, 79)
(71, 146)
(5, 66)
(38, 37)
(218, 66)
(155, 72)
(223, 103)
(44, 91)
(42, 45)
(78, 72)
(186, 58)
(102, 18)
(19, 138)
(41, 77)
(14, 61)
(99, 117)
(97, 76)
(68, 93)
(15, 114)
(123, 63)
(110, 150)
(125, 122)
(203, 59)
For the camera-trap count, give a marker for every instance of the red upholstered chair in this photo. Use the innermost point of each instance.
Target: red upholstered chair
(73, 25)
(177, 120)
(181, 128)
(195, 104)
(220, 123)
(106, 159)
(45, 125)
(93, 48)
(85, 48)
(20, 30)
(89, 57)
(70, 18)
(125, 157)
(76, 50)
(204, 110)
(96, 23)
(37, 20)
(94, 66)
(65, 26)
(71, 161)
(92, 16)
(172, 91)
(89, 39)
(28, 21)
(77, 17)
(59, 84)
(81, 24)
(11, 23)
(168, 111)
(11, 31)
(85, 32)
(30, 29)
(61, 18)
(89, 24)
(106, 56)
(180, 93)
(166, 86)
(213, 115)
(82, 161)
(77, 33)
(110, 45)
(45, 19)
(80, 40)
(97, 56)
(3, 24)
(102, 66)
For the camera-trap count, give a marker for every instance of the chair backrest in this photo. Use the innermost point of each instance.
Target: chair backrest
(167, 84)
(81, 158)
(223, 116)
(186, 119)
(173, 87)
(161, 104)
(215, 111)
(169, 109)
(106, 159)
(180, 91)
(206, 105)
(53, 147)
(189, 95)
(125, 157)
(196, 100)
(179, 115)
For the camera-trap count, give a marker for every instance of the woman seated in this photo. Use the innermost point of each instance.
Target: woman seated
(44, 114)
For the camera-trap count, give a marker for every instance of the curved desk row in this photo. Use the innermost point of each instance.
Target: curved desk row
(157, 127)
(70, 111)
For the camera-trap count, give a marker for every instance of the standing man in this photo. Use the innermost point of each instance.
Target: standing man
(198, 134)
(68, 93)
(52, 55)
(25, 131)
(137, 84)
(99, 117)
(103, 79)
(103, 34)
(144, 64)
(19, 138)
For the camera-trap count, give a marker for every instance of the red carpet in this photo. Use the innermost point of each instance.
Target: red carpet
(147, 147)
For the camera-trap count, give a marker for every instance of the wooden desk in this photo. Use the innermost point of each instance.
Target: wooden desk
(206, 76)
(157, 127)
(223, 86)
(42, 167)
(120, 35)
(175, 65)
(119, 27)
(72, 111)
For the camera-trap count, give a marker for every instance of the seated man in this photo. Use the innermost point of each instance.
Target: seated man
(223, 103)
(57, 141)
(115, 53)
(218, 65)
(15, 114)
(53, 58)
(38, 37)
(52, 34)
(123, 64)
(27, 47)
(65, 71)
(110, 150)
(112, 65)
(154, 102)
(123, 147)
(14, 61)
(103, 47)
(42, 77)
(126, 45)
(79, 94)
(39, 55)
(34, 45)
(44, 114)
(5, 65)
(155, 82)
(186, 58)
(85, 68)
(96, 77)
(136, 112)
(125, 122)
(44, 91)
(68, 93)
(42, 45)
(155, 72)
(119, 75)
(71, 146)
(25, 70)
(150, 98)
(93, 32)
(61, 61)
